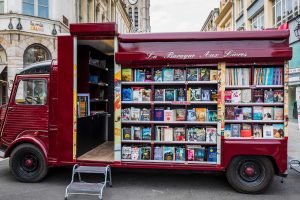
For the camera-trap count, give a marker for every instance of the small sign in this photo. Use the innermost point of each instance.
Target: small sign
(36, 26)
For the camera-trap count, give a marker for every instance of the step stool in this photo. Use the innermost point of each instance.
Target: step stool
(295, 165)
(84, 188)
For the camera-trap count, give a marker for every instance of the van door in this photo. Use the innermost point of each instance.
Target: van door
(28, 108)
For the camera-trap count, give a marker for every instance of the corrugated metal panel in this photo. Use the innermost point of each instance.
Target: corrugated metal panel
(255, 8)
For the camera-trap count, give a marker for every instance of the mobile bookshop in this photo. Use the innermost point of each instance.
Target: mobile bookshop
(176, 101)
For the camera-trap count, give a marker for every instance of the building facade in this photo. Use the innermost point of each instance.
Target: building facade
(139, 13)
(209, 24)
(225, 20)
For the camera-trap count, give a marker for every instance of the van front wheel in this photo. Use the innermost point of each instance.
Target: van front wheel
(27, 163)
(250, 174)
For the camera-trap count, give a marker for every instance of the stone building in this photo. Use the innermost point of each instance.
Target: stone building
(209, 24)
(139, 13)
(224, 21)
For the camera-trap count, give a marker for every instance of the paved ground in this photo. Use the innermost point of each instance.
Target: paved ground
(144, 185)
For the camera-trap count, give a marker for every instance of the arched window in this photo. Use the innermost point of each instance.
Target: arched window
(36, 53)
(3, 56)
(136, 17)
(130, 13)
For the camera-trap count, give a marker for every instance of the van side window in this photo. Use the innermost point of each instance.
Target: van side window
(31, 92)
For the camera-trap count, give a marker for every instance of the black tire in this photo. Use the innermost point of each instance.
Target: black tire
(27, 163)
(250, 181)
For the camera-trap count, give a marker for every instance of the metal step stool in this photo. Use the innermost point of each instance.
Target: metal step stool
(295, 165)
(84, 188)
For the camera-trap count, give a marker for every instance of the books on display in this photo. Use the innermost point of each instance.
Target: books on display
(268, 131)
(267, 113)
(278, 130)
(211, 135)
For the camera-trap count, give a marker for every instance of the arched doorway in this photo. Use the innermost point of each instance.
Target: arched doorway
(3, 76)
(36, 53)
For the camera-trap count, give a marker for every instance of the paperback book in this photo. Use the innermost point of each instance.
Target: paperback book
(180, 94)
(125, 114)
(213, 75)
(126, 133)
(179, 74)
(180, 114)
(135, 153)
(278, 96)
(278, 130)
(158, 76)
(179, 134)
(212, 154)
(257, 112)
(145, 114)
(211, 135)
(268, 96)
(180, 154)
(192, 74)
(201, 114)
(168, 74)
(170, 94)
(258, 96)
(146, 133)
(278, 113)
(246, 95)
(235, 130)
(159, 95)
(236, 96)
(169, 116)
(195, 94)
(145, 153)
(228, 96)
(212, 115)
(127, 75)
(126, 152)
(229, 112)
(205, 95)
(247, 113)
(169, 153)
(204, 74)
(127, 94)
(135, 114)
(158, 153)
(191, 115)
(257, 131)
(268, 131)
(159, 114)
(267, 113)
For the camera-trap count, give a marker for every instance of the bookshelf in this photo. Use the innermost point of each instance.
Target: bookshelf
(175, 114)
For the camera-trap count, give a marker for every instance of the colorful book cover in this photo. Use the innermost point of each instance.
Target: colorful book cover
(135, 114)
(204, 74)
(137, 93)
(268, 96)
(235, 130)
(168, 134)
(127, 75)
(257, 131)
(191, 155)
(145, 114)
(146, 133)
(278, 95)
(180, 114)
(159, 114)
(268, 131)
(201, 114)
(246, 133)
(148, 75)
(126, 133)
(170, 94)
(278, 130)
(159, 132)
(135, 153)
(125, 114)
(246, 95)
(192, 74)
(247, 113)
(158, 153)
(126, 152)
(211, 135)
(212, 115)
(158, 75)
(137, 132)
(169, 153)
(228, 96)
(168, 74)
(179, 74)
(145, 153)
(212, 154)
(169, 116)
(180, 94)
(229, 112)
(191, 115)
(236, 96)
(257, 112)
(199, 154)
(195, 94)
(258, 96)
(140, 75)
(205, 95)
(159, 95)
(214, 95)
(179, 134)
(180, 154)
(267, 113)
(238, 114)
(227, 131)
(146, 95)
(278, 113)
(213, 75)
(127, 94)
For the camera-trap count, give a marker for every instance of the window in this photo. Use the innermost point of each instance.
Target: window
(1, 6)
(130, 13)
(257, 22)
(36, 53)
(31, 92)
(136, 17)
(28, 7)
(36, 8)
(284, 10)
(296, 4)
(240, 7)
(43, 8)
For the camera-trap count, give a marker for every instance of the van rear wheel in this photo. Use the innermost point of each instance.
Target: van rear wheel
(250, 174)
(27, 163)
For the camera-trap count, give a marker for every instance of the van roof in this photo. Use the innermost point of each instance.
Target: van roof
(38, 68)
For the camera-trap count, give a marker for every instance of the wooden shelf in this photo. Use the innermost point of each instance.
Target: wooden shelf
(172, 83)
(254, 121)
(96, 66)
(174, 122)
(170, 102)
(255, 104)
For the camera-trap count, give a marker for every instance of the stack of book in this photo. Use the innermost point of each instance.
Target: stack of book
(259, 96)
(237, 76)
(136, 152)
(136, 94)
(135, 114)
(137, 75)
(136, 133)
(268, 76)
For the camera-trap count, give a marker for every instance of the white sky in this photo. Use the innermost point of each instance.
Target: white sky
(180, 15)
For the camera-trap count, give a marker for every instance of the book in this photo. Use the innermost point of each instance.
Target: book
(137, 132)
(179, 134)
(247, 113)
(195, 94)
(126, 152)
(159, 132)
(201, 114)
(268, 76)
(169, 153)
(179, 74)
(168, 134)
(237, 76)
(213, 75)
(135, 153)
(159, 95)
(139, 75)
(246, 130)
(268, 96)
(126, 114)
(168, 74)
(258, 96)
(204, 74)
(158, 114)
(170, 94)
(146, 95)
(212, 115)
(158, 75)
(238, 113)
(180, 96)
(211, 135)
(169, 116)
(246, 95)
(227, 131)
(195, 134)
(212, 154)
(192, 74)
(205, 95)
(191, 115)
(180, 154)
(191, 154)
(214, 95)
(257, 131)
(278, 113)
(146, 133)
(126, 75)
(199, 154)
(127, 94)
(180, 114)
(137, 93)
(257, 112)
(228, 96)
(278, 96)
(235, 130)
(278, 130)
(135, 114)
(145, 114)
(268, 131)
(267, 113)
(236, 96)
(148, 75)
(126, 133)
(229, 112)
(158, 153)
(145, 153)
